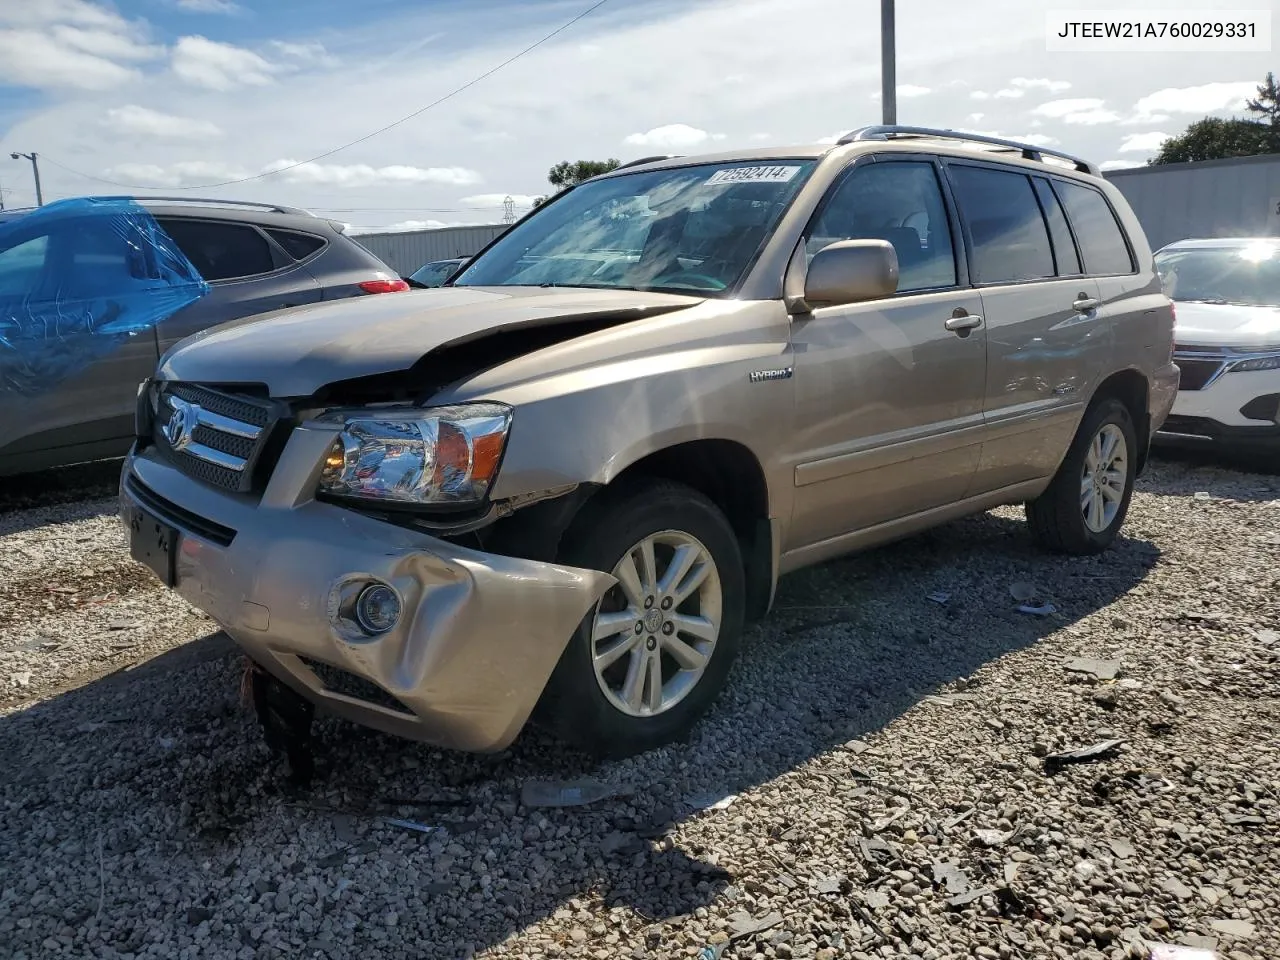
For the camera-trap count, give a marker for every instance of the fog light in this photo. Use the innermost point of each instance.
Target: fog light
(377, 608)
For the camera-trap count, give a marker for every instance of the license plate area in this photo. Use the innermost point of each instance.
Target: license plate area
(154, 544)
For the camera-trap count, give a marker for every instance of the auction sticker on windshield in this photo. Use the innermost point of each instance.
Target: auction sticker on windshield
(773, 174)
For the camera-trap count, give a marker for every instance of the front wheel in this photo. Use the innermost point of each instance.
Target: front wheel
(1082, 511)
(655, 653)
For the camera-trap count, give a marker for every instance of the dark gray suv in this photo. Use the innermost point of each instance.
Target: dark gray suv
(255, 258)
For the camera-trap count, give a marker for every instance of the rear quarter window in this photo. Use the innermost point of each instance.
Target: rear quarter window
(1102, 243)
(297, 245)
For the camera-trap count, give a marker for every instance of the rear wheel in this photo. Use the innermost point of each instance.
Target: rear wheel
(655, 653)
(1084, 508)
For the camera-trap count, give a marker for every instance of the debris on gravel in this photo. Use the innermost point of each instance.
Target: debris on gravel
(874, 783)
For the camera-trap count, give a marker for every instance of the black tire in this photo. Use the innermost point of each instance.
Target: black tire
(573, 705)
(1056, 518)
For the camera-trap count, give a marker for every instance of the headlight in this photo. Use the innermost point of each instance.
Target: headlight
(1254, 364)
(440, 455)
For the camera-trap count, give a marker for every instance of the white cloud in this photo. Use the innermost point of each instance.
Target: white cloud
(219, 66)
(1204, 99)
(313, 54)
(1080, 110)
(70, 45)
(190, 172)
(1118, 165)
(673, 136)
(33, 58)
(906, 91)
(1034, 139)
(496, 201)
(144, 175)
(1019, 87)
(60, 11)
(1143, 142)
(208, 6)
(108, 44)
(144, 122)
(1061, 108)
(760, 137)
(364, 175)
(975, 117)
(980, 95)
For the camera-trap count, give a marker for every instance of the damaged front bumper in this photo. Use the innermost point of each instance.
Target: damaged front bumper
(477, 638)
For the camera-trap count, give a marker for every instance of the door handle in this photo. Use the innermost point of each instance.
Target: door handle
(964, 323)
(1084, 304)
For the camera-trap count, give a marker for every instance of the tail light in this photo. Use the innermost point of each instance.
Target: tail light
(384, 286)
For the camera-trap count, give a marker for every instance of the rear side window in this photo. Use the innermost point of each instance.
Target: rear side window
(221, 251)
(1064, 248)
(1102, 242)
(1010, 239)
(297, 245)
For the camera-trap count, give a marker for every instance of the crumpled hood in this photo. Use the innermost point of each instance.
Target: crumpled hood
(1226, 325)
(296, 352)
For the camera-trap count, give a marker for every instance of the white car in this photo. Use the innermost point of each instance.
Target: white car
(1227, 297)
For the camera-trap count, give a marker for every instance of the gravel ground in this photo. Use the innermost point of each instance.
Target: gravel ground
(885, 759)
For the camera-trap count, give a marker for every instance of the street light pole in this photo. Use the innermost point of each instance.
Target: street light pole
(888, 65)
(35, 170)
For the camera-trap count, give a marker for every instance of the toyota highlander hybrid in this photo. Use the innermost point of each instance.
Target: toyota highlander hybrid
(560, 484)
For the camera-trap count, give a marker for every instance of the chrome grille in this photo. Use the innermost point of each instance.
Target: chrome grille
(215, 437)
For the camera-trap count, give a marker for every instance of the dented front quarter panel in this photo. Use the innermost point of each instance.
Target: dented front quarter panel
(587, 409)
(470, 657)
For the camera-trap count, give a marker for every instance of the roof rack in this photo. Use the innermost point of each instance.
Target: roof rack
(273, 207)
(1028, 151)
(643, 160)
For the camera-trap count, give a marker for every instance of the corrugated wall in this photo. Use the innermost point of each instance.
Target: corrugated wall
(1213, 198)
(406, 252)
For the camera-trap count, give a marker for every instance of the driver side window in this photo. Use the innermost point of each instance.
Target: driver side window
(897, 201)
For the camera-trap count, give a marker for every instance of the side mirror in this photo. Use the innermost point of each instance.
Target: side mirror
(851, 271)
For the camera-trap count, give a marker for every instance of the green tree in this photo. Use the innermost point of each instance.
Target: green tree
(1214, 138)
(569, 173)
(1267, 110)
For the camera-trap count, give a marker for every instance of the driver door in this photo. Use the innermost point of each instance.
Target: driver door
(889, 393)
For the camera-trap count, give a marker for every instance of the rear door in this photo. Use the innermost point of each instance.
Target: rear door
(248, 271)
(1109, 258)
(1044, 339)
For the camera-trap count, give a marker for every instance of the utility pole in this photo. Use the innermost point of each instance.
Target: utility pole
(888, 65)
(35, 170)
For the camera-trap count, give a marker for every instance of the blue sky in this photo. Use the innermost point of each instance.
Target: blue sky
(177, 94)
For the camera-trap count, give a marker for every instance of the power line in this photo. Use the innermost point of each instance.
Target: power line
(369, 136)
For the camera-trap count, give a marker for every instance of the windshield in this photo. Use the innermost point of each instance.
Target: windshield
(1245, 275)
(434, 274)
(684, 230)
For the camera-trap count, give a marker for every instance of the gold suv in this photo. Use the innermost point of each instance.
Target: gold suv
(567, 477)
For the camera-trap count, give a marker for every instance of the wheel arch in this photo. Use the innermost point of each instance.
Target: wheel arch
(730, 475)
(1132, 388)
